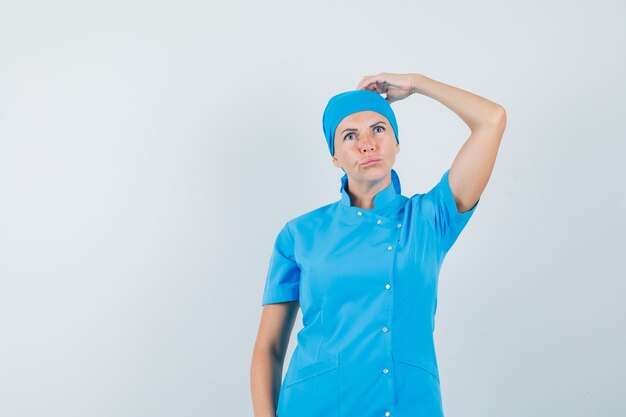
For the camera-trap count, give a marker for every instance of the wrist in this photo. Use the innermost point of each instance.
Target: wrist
(416, 80)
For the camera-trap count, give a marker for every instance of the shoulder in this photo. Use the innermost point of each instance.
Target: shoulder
(424, 202)
(439, 192)
(315, 218)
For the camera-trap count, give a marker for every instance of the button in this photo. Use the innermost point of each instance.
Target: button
(379, 221)
(399, 225)
(385, 371)
(388, 247)
(387, 413)
(387, 286)
(385, 329)
(359, 213)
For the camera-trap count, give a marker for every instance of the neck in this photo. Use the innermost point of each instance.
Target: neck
(362, 193)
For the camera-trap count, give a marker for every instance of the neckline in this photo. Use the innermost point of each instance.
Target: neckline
(383, 198)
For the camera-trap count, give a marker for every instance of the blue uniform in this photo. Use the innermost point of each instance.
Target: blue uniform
(366, 280)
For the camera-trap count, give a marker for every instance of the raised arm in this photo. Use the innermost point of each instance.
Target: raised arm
(472, 167)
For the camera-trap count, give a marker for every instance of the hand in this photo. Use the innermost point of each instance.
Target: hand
(397, 86)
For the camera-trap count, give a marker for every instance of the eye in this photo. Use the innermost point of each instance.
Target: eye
(348, 135)
(380, 127)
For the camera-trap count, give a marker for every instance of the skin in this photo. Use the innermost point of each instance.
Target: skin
(468, 177)
(369, 134)
(268, 355)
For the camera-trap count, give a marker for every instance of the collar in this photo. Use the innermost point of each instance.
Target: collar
(384, 196)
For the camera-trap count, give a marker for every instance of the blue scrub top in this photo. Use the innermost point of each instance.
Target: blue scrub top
(366, 280)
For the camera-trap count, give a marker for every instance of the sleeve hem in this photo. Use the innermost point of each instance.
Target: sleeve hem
(279, 298)
(449, 200)
(459, 219)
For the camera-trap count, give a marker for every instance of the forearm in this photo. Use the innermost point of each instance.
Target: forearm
(265, 380)
(474, 110)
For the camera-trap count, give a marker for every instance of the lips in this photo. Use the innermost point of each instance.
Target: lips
(370, 161)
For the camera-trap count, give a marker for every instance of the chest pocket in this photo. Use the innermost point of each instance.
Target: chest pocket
(311, 391)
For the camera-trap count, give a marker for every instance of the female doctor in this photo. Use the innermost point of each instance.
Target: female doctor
(364, 269)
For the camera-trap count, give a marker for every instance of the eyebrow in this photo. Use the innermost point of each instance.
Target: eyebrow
(372, 125)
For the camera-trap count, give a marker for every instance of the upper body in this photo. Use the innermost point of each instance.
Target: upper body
(366, 282)
(364, 269)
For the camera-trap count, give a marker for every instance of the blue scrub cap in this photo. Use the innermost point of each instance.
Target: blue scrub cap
(346, 103)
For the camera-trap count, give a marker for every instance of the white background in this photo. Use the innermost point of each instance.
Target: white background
(151, 151)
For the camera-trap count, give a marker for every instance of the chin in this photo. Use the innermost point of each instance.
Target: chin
(377, 172)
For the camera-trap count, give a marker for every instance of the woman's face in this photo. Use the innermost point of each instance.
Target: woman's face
(363, 135)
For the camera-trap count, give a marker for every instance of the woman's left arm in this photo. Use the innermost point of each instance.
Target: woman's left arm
(472, 167)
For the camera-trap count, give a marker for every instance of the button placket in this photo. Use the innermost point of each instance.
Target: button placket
(388, 225)
(386, 334)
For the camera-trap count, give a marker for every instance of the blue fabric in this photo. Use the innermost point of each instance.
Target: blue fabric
(366, 281)
(348, 102)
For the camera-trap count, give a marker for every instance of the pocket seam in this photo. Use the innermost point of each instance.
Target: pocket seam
(312, 370)
(418, 364)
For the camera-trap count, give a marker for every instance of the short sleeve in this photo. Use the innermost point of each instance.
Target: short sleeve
(283, 276)
(439, 207)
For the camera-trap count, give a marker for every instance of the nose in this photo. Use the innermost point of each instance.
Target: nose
(366, 144)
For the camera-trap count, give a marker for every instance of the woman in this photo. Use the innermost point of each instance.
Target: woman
(364, 269)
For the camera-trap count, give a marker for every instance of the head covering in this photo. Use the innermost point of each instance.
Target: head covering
(346, 103)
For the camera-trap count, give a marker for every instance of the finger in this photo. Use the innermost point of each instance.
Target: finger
(380, 82)
(381, 87)
(374, 88)
(368, 80)
(363, 82)
(365, 87)
(373, 85)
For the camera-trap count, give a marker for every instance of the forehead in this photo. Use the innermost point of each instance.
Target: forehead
(366, 117)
